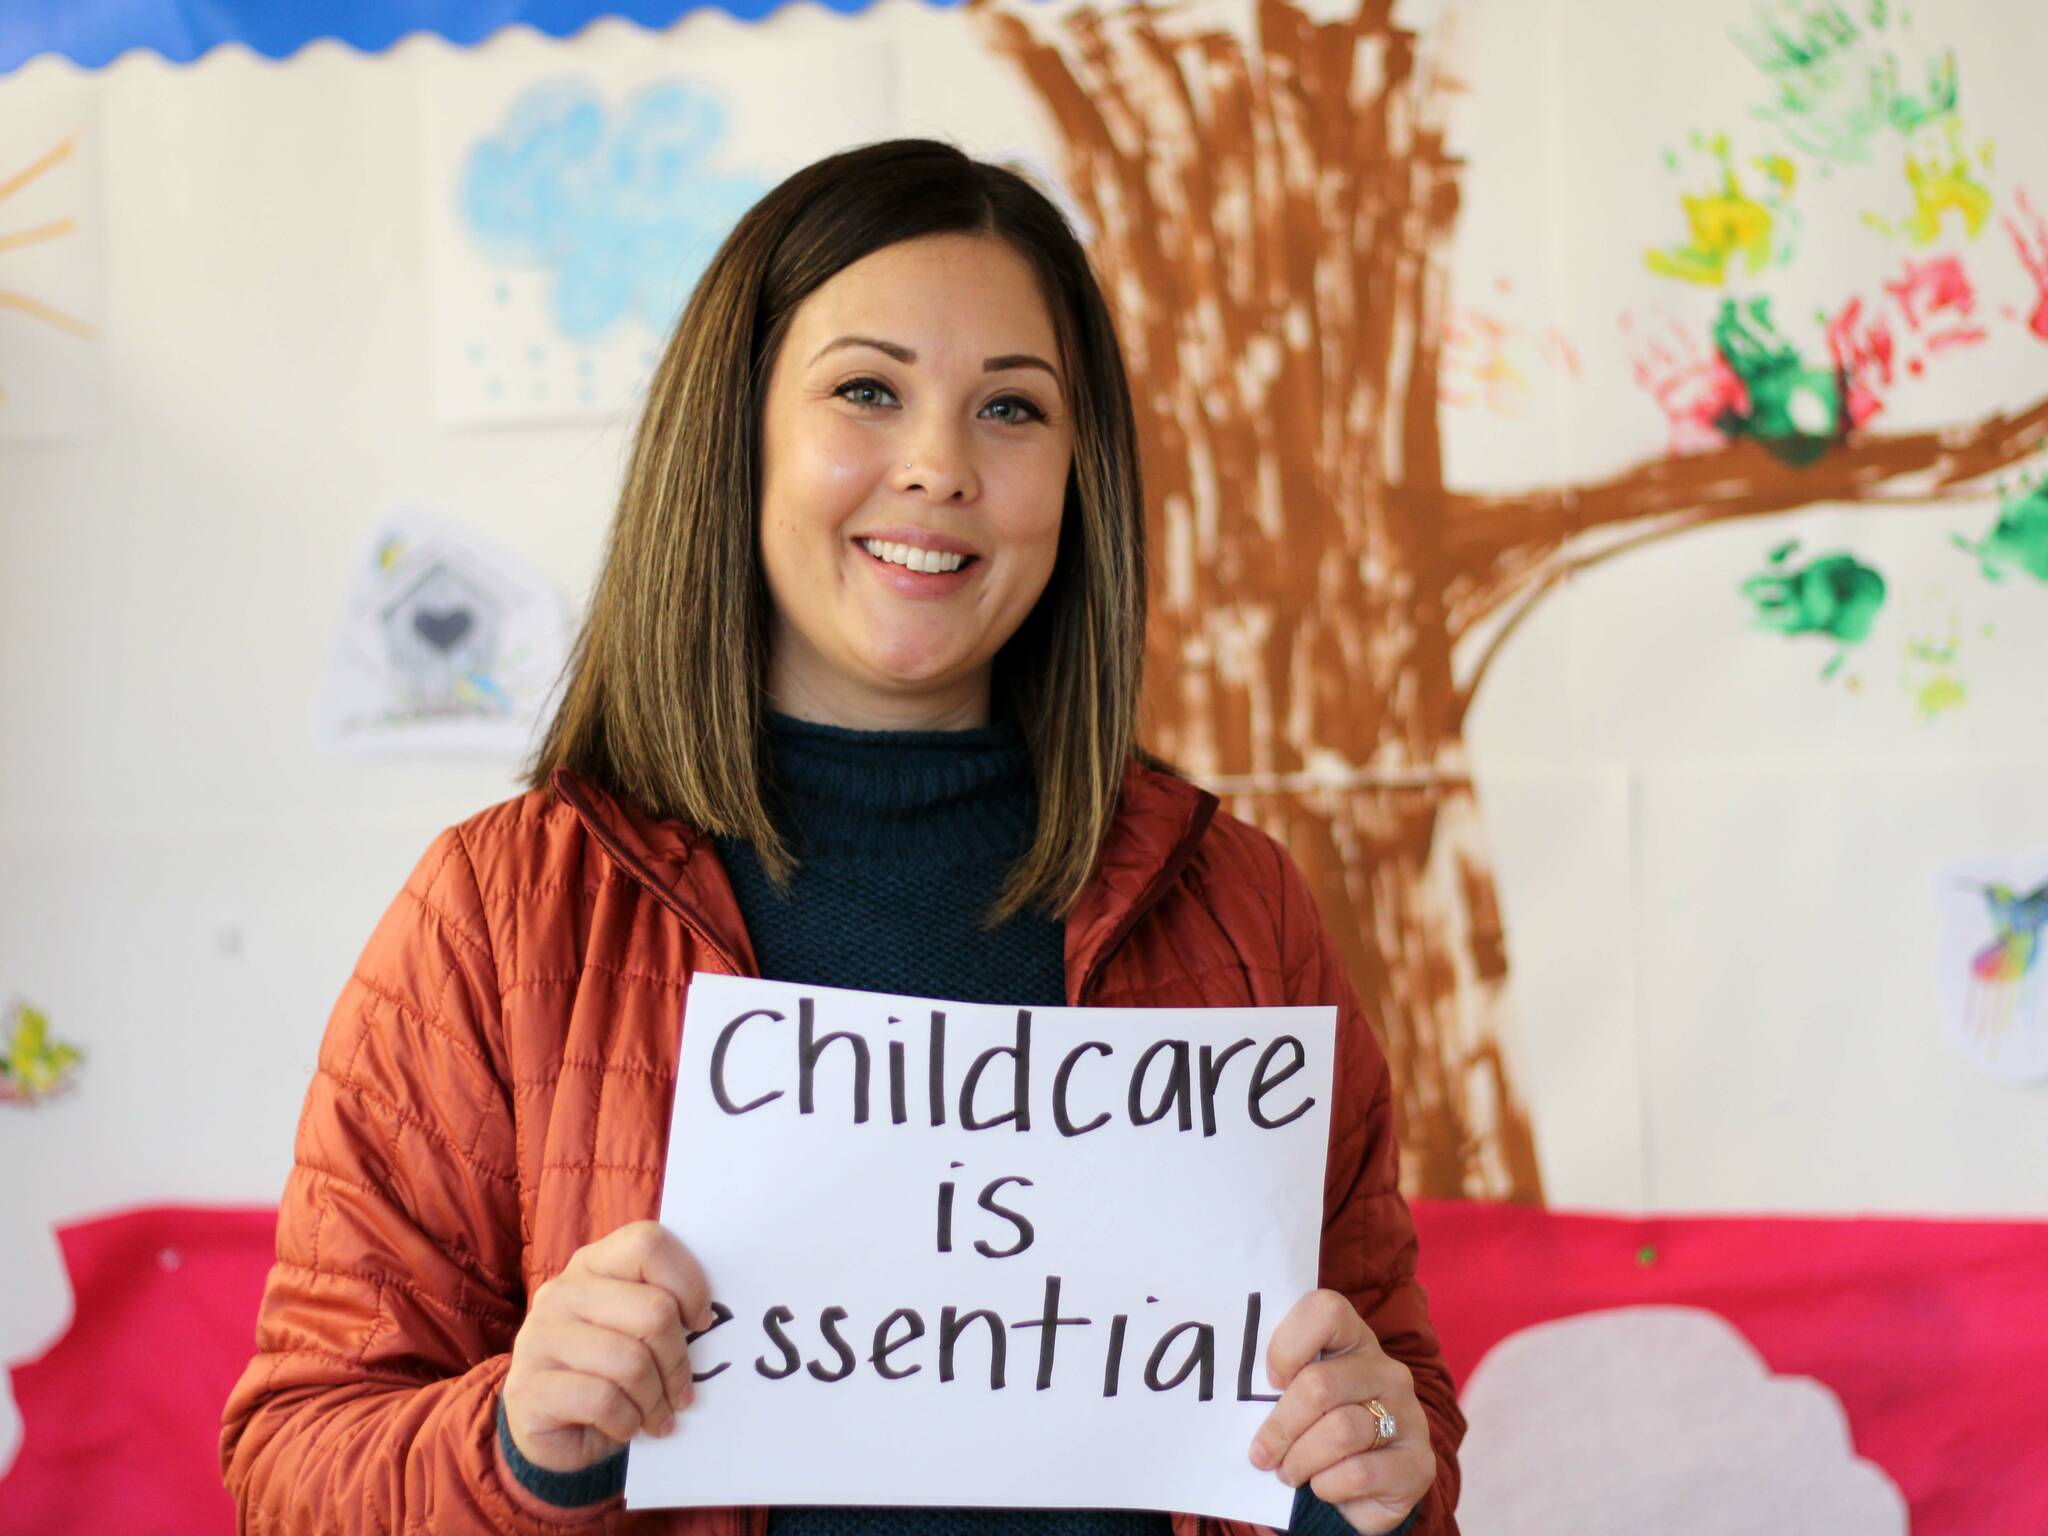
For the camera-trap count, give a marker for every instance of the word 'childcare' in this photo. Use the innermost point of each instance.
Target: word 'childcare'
(1166, 1078)
(1184, 1352)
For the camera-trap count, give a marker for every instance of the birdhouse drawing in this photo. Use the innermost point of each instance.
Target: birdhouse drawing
(441, 638)
(448, 644)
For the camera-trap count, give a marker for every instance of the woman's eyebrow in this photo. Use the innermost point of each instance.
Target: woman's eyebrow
(901, 354)
(1018, 360)
(906, 355)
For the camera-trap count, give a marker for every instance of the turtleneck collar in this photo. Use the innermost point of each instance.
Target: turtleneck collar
(967, 794)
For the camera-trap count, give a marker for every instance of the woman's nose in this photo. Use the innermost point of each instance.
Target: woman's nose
(939, 463)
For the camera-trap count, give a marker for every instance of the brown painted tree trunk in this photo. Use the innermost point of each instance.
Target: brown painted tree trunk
(1273, 222)
(1272, 218)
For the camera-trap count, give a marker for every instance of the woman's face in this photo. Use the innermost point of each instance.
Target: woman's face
(915, 444)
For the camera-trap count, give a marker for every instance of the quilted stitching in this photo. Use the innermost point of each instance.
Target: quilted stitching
(495, 1082)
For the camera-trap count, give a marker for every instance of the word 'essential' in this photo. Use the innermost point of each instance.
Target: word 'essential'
(1184, 1352)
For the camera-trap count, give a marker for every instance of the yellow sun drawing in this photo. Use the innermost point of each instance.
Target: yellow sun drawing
(56, 229)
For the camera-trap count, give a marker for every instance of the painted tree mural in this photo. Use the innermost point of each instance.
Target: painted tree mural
(1274, 221)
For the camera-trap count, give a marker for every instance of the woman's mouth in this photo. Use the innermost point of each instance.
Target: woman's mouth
(912, 558)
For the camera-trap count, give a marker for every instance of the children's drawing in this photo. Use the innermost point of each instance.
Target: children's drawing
(34, 1065)
(1941, 174)
(449, 645)
(576, 198)
(1836, 596)
(2018, 541)
(54, 229)
(1855, 93)
(620, 208)
(49, 267)
(1852, 84)
(1930, 674)
(2029, 232)
(1693, 385)
(1793, 408)
(1496, 363)
(1200, 154)
(1994, 998)
(1836, 76)
(1725, 218)
(588, 222)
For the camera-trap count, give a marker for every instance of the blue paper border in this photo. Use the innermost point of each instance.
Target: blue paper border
(93, 33)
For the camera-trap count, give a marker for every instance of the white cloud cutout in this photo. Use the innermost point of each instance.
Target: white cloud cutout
(1659, 1419)
(37, 1314)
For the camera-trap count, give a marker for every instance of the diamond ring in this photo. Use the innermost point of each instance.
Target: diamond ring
(1383, 1423)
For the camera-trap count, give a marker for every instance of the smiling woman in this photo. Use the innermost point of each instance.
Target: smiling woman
(913, 483)
(855, 705)
(929, 364)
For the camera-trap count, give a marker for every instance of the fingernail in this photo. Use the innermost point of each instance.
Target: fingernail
(1261, 1457)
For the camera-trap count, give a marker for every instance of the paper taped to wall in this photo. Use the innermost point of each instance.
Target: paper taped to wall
(448, 646)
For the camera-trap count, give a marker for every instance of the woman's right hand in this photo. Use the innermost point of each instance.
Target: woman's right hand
(603, 1353)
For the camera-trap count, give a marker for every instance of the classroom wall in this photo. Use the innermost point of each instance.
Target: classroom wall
(1724, 850)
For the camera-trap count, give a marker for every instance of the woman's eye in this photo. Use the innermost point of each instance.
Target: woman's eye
(1021, 410)
(869, 392)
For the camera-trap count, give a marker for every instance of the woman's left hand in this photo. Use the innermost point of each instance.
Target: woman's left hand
(1328, 1365)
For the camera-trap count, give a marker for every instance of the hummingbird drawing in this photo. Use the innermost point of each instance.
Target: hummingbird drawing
(2016, 921)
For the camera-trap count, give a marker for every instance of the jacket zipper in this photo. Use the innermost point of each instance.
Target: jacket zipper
(639, 871)
(1155, 889)
(754, 1522)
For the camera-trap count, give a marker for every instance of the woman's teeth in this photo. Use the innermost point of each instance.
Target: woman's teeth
(913, 557)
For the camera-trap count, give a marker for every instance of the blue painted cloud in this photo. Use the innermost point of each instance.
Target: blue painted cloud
(625, 214)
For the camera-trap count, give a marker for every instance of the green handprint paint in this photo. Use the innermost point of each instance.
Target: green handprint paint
(1829, 72)
(1836, 595)
(2018, 540)
(1845, 78)
(1794, 410)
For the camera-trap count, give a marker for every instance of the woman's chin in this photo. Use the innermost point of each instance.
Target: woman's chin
(919, 672)
(912, 660)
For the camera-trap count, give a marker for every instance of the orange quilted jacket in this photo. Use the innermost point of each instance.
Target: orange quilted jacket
(494, 1089)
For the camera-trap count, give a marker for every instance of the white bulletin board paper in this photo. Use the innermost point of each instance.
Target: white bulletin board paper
(1166, 1250)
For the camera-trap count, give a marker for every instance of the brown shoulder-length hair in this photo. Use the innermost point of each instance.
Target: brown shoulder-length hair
(664, 701)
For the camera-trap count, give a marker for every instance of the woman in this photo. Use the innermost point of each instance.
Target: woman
(855, 704)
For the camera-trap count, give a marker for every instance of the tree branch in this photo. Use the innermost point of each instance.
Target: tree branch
(1497, 544)
(1541, 579)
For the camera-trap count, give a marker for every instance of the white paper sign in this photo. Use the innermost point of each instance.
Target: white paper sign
(981, 1255)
